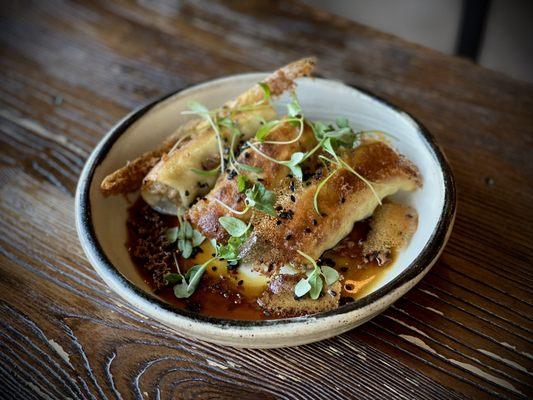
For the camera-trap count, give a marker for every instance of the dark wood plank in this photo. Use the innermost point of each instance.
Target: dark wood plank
(70, 70)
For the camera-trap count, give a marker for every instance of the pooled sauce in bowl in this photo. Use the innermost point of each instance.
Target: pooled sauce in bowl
(233, 293)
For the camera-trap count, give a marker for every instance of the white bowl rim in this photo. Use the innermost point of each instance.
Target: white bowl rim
(111, 274)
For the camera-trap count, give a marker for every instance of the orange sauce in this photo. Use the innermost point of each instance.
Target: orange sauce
(230, 294)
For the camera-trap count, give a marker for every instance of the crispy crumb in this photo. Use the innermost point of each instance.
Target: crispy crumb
(391, 227)
(278, 299)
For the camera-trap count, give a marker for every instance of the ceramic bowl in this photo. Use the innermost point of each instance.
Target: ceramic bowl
(102, 229)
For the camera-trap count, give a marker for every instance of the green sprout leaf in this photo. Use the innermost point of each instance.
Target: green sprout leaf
(238, 231)
(294, 109)
(197, 238)
(230, 251)
(294, 164)
(234, 226)
(197, 107)
(171, 234)
(185, 247)
(173, 278)
(250, 168)
(302, 288)
(242, 183)
(266, 91)
(261, 199)
(193, 276)
(189, 283)
(226, 122)
(342, 122)
(265, 129)
(330, 274)
(186, 236)
(202, 172)
(316, 279)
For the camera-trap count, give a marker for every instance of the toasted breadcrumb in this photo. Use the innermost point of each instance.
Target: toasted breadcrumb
(279, 299)
(391, 227)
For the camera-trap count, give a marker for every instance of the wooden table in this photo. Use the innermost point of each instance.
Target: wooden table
(69, 71)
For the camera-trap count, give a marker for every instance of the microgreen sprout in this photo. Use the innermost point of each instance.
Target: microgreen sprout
(235, 134)
(238, 231)
(185, 287)
(203, 112)
(295, 116)
(266, 93)
(187, 237)
(319, 188)
(216, 121)
(234, 226)
(257, 196)
(293, 164)
(316, 279)
(342, 164)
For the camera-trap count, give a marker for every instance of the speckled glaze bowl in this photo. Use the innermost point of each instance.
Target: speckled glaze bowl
(102, 229)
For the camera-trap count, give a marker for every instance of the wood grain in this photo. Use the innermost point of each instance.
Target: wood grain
(68, 71)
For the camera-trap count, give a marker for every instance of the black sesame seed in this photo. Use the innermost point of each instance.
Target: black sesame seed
(343, 200)
(247, 154)
(279, 208)
(291, 186)
(278, 222)
(293, 199)
(286, 214)
(288, 237)
(187, 193)
(240, 282)
(315, 222)
(232, 174)
(260, 180)
(213, 268)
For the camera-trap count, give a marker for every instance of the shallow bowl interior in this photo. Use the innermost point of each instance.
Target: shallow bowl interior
(101, 221)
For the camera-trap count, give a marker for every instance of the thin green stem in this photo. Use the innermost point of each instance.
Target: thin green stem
(313, 150)
(308, 258)
(300, 132)
(229, 208)
(363, 179)
(344, 165)
(319, 188)
(264, 155)
(219, 140)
